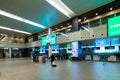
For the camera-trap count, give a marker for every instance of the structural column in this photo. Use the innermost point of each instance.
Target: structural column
(74, 24)
(9, 46)
(10, 52)
(26, 39)
(25, 51)
(49, 46)
(35, 37)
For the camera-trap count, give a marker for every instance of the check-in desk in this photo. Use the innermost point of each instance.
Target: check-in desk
(112, 58)
(96, 58)
(88, 57)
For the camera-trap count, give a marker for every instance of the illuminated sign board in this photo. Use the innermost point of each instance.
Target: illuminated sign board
(114, 26)
(49, 39)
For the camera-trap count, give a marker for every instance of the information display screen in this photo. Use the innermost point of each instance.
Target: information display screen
(74, 49)
(55, 48)
(114, 26)
(42, 49)
(108, 49)
(51, 39)
(102, 42)
(95, 48)
(44, 40)
(115, 40)
(69, 48)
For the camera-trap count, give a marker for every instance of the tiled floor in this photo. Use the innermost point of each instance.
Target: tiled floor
(25, 69)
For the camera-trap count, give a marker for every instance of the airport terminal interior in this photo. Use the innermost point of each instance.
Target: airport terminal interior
(59, 39)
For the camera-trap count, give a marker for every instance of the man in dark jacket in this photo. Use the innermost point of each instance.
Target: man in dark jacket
(52, 58)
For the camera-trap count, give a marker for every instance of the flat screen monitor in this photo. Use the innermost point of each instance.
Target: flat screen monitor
(114, 26)
(86, 49)
(110, 47)
(42, 49)
(55, 48)
(69, 49)
(115, 40)
(102, 42)
(108, 50)
(96, 48)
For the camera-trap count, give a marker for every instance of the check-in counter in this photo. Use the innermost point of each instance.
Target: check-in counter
(88, 57)
(112, 58)
(96, 58)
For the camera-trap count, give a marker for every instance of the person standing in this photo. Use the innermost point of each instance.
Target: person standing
(52, 58)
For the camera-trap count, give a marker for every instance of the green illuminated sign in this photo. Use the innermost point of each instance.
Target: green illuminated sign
(44, 40)
(52, 39)
(69, 50)
(49, 39)
(114, 26)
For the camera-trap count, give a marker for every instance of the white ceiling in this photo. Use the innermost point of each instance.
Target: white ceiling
(41, 12)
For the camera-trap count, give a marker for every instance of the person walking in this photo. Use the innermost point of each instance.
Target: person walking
(52, 59)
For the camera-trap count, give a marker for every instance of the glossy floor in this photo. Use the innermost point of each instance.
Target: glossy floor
(25, 69)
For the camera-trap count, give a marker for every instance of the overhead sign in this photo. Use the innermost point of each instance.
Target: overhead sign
(114, 26)
(49, 39)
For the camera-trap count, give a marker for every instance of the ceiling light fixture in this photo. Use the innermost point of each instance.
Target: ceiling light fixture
(84, 18)
(96, 14)
(68, 24)
(79, 20)
(4, 13)
(58, 4)
(15, 30)
(111, 8)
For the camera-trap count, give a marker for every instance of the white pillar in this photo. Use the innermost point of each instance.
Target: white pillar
(49, 46)
(10, 52)
(9, 46)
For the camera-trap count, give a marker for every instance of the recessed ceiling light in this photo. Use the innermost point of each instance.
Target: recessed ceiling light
(15, 30)
(4, 13)
(79, 20)
(84, 18)
(111, 8)
(96, 14)
(68, 23)
(58, 4)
